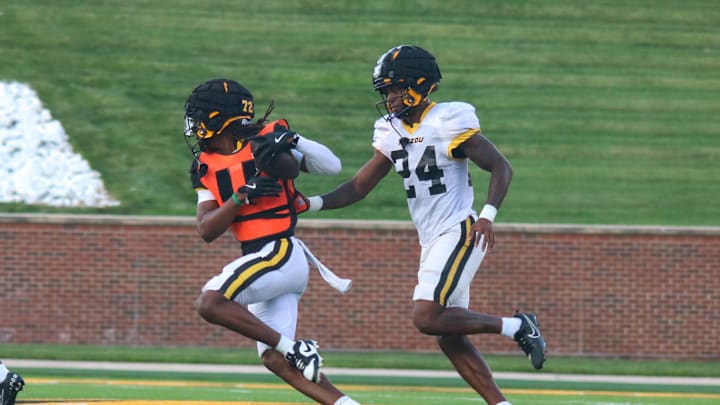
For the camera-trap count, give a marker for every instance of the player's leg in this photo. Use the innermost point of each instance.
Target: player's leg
(250, 278)
(215, 308)
(281, 314)
(289, 278)
(265, 287)
(10, 384)
(323, 392)
(471, 366)
(447, 267)
(432, 318)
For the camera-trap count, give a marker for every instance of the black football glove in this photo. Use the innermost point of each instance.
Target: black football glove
(261, 186)
(286, 137)
(265, 148)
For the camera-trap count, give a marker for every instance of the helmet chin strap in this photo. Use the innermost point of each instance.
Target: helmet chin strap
(379, 110)
(401, 114)
(390, 115)
(194, 147)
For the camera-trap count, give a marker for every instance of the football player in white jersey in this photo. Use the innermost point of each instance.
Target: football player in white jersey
(430, 145)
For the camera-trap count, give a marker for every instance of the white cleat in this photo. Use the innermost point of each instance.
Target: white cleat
(305, 357)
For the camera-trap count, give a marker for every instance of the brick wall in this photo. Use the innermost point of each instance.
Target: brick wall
(598, 290)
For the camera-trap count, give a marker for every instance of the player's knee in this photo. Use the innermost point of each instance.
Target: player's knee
(206, 306)
(424, 323)
(450, 343)
(273, 360)
(425, 316)
(202, 308)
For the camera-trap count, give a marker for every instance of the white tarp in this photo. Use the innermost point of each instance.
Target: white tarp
(39, 165)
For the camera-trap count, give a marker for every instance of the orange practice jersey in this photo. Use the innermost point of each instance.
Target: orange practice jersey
(265, 218)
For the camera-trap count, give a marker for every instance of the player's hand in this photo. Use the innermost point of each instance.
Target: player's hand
(260, 186)
(265, 148)
(287, 138)
(482, 231)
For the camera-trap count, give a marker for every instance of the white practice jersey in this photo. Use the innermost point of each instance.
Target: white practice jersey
(438, 187)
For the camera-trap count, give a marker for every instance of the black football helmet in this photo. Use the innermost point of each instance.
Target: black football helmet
(212, 107)
(410, 67)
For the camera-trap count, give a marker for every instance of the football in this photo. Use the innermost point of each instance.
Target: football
(282, 166)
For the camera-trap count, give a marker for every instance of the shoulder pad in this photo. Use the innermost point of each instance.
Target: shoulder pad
(272, 126)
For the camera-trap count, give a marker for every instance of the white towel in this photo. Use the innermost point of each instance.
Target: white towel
(340, 284)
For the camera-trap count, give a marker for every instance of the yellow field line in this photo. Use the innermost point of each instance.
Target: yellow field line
(154, 383)
(346, 387)
(148, 402)
(518, 391)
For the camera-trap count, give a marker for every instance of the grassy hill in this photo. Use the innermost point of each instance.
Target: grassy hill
(609, 111)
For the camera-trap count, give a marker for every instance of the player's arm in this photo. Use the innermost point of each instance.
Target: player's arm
(213, 220)
(313, 157)
(483, 153)
(355, 189)
(317, 158)
(486, 155)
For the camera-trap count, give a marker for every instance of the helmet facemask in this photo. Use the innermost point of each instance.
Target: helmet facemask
(196, 135)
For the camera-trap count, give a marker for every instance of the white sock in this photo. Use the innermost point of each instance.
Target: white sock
(3, 372)
(510, 326)
(346, 400)
(284, 345)
(504, 403)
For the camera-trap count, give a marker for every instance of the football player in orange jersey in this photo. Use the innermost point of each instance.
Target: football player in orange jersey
(257, 294)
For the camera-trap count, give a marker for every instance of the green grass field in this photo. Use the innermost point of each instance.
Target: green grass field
(150, 388)
(396, 360)
(607, 110)
(74, 386)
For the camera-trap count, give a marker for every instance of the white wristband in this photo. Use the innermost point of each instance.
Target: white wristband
(316, 203)
(488, 212)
